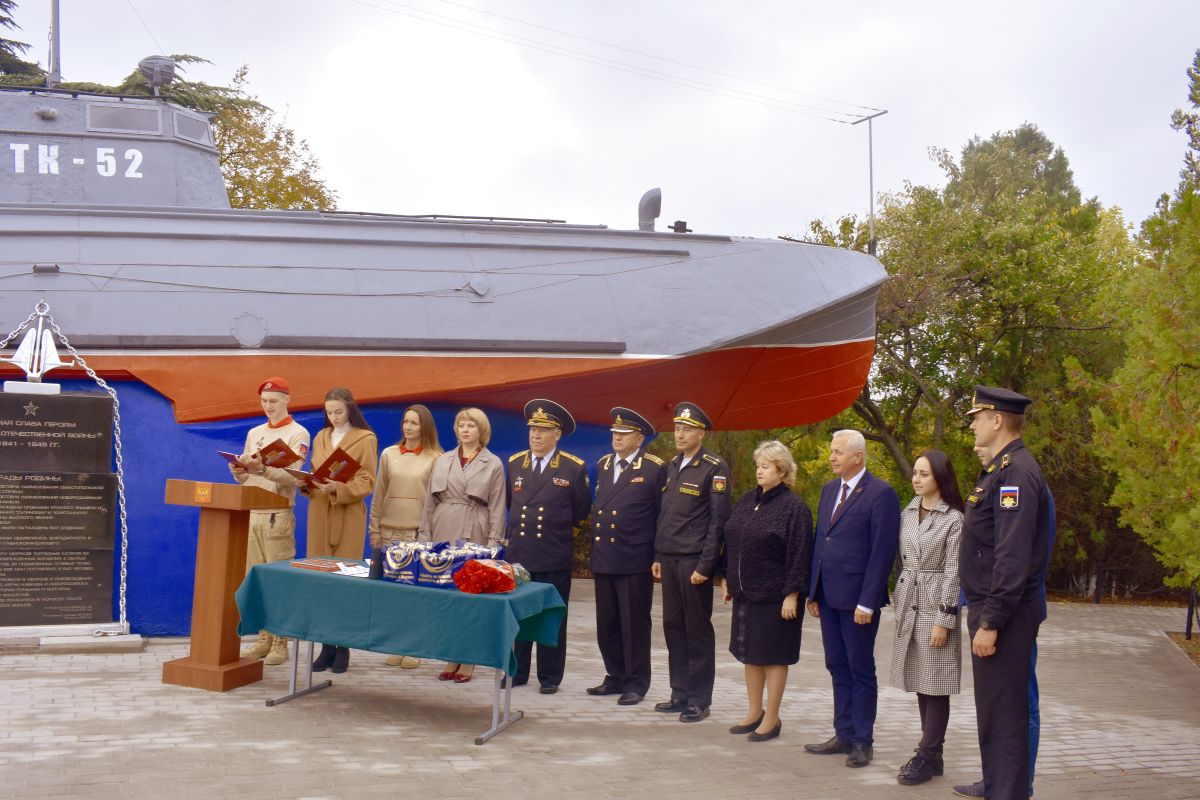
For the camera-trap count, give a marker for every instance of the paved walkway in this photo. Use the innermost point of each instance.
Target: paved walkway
(1120, 720)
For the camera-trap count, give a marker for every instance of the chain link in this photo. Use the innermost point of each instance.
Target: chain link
(124, 620)
(18, 329)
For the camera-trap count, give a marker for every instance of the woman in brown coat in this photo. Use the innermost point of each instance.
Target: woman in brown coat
(337, 510)
(466, 499)
(401, 487)
(926, 653)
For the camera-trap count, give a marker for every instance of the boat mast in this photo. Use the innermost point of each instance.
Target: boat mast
(54, 78)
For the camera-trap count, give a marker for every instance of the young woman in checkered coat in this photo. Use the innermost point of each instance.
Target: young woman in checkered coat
(926, 653)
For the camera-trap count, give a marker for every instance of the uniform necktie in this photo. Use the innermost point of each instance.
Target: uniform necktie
(622, 465)
(841, 502)
(537, 465)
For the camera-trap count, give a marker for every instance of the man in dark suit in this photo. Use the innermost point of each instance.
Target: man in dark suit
(858, 530)
(1004, 552)
(548, 497)
(629, 483)
(687, 549)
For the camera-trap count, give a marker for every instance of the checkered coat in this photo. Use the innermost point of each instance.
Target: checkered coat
(929, 576)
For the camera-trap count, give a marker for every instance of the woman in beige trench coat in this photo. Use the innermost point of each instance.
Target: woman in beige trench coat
(466, 499)
(337, 510)
(927, 649)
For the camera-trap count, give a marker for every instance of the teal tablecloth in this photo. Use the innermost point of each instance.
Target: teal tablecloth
(394, 618)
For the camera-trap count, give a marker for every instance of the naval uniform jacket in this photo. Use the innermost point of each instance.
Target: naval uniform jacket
(625, 514)
(544, 509)
(1006, 535)
(695, 506)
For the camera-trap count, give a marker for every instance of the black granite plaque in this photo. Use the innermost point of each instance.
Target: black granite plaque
(55, 587)
(56, 433)
(56, 510)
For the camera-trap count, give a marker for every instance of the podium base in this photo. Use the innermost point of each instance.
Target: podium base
(28, 387)
(222, 678)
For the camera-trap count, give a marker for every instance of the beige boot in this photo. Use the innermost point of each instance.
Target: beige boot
(405, 662)
(279, 652)
(260, 648)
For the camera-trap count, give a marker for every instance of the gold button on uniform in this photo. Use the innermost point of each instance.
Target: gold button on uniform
(597, 538)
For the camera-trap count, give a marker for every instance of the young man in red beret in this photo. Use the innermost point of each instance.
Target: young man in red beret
(272, 533)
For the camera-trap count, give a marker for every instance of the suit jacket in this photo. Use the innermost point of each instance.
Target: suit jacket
(853, 556)
(625, 514)
(544, 509)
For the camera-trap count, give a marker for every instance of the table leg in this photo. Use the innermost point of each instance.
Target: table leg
(498, 723)
(308, 687)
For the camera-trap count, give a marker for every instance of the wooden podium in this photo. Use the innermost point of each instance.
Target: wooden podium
(214, 663)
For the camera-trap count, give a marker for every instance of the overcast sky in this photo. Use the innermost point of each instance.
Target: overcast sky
(409, 113)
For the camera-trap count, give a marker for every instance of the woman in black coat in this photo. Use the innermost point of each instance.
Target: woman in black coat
(768, 541)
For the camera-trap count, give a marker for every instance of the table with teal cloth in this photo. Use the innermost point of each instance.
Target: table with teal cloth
(395, 618)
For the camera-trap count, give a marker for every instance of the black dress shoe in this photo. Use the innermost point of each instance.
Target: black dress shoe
(322, 661)
(970, 790)
(548, 689)
(629, 699)
(604, 688)
(918, 770)
(755, 736)
(740, 730)
(860, 755)
(341, 660)
(694, 714)
(671, 706)
(834, 746)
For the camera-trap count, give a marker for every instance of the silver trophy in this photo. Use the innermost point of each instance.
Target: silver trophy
(36, 355)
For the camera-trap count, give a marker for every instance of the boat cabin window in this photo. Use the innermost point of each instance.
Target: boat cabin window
(123, 119)
(192, 128)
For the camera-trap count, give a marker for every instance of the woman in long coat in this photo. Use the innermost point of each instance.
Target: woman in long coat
(769, 547)
(927, 650)
(337, 510)
(466, 499)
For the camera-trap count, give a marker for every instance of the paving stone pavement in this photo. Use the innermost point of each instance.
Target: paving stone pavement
(1119, 720)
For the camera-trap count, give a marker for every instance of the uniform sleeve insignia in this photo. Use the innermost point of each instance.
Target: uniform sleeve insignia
(1010, 497)
(718, 483)
(515, 456)
(712, 459)
(654, 458)
(569, 457)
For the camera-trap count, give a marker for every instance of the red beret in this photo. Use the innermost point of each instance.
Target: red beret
(274, 385)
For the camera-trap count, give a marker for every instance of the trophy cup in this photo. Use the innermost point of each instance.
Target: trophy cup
(37, 355)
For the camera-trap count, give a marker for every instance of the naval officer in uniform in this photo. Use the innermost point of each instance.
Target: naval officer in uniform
(1003, 556)
(629, 483)
(548, 497)
(687, 548)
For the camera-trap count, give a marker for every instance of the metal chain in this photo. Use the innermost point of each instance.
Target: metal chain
(18, 329)
(120, 464)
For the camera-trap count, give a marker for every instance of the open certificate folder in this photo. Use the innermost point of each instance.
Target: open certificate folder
(338, 467)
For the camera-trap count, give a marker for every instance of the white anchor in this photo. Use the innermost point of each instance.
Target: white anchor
(37, 354)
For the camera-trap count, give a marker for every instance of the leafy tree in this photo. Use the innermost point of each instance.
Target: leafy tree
(13, 68)
(997, 277)
(265, 165)
(1149, 428)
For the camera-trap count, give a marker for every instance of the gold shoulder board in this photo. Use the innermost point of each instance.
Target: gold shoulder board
(515, 456)
(570, 457)
(654, 458)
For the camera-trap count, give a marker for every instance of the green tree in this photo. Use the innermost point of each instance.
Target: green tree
(1150, 427)
(13, 68)
(998, 277)
(264, 163)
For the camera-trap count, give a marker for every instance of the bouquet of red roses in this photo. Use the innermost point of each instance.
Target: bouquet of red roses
(489, 576)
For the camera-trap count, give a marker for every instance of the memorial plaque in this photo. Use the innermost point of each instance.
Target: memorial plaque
(56, 510)
(55, 587)
(56, 433)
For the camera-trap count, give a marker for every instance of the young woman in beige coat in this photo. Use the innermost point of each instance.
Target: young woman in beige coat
(337, 510)
(926, 652)
(466, 499)
(401, 487)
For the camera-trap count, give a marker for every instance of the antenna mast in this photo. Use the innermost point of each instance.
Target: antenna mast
(54, 78)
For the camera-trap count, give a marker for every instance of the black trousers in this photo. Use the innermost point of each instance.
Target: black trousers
(1002, 703)
(551, 661)
(687, 625)
(623, 605)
